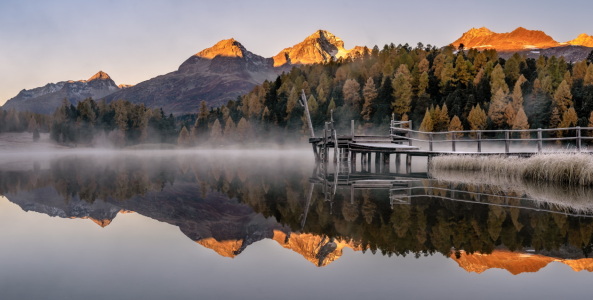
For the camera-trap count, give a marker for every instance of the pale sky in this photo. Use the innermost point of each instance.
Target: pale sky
(135, 40)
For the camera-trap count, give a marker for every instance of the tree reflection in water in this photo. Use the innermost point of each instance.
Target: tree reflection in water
(227, 203)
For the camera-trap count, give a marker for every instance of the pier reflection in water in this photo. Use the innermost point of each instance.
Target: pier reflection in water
(233, 203)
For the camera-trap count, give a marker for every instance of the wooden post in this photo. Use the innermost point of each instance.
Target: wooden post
(336, 148)
(479, 133)
(305, 104)
(325, 143)
(352, 128)
(353, 162)
(385, 162)
(409, 133)
(453, 137)
(430, 141)
(377, 162)
(397, 162)
(579, 138)
(539, 140)
(506, 141)
(408, 164)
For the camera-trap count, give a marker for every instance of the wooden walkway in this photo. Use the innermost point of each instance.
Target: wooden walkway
(411, 143)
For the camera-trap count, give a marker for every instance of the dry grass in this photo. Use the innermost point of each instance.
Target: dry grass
(563, 168)
(564, 180)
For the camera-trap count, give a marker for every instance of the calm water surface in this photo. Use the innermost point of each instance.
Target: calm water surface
(272, 225)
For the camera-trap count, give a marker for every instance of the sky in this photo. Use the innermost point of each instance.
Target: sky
(132, 40)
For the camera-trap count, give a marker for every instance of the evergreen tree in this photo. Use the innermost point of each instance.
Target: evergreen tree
(520, 122)
(497, 81)
(517, 96)
(369, 93)
(455, 125)
(588, 79)
(563, 97)
(351, 91)
(427, 125)
(497, 108)
(402, 91)
(216, 132)
(477, 118)
(184, 139)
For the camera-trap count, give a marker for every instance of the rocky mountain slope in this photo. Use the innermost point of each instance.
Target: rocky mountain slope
(227, 70)
(47, 98)
(531, 43)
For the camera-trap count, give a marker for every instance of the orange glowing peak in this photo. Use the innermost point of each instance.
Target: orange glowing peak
(518, 39)
(228, 248)
(515, 263)
(582, 40)
(100, 75)
(225, 48)
(320, 250)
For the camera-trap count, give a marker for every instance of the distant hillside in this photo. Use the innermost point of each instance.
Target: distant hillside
(46, 99)
(228, 70)
(531, 43)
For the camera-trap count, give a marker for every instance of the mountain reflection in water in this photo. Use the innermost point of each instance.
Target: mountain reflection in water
(227, 203)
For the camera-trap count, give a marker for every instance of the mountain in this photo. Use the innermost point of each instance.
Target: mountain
(515, 262)
(531, 43)
(216, 75)
(47, 98)
(227, 70)
(582, 40)
(518, 39)
(320, 47)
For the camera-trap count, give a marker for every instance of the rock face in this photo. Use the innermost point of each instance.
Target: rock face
(531, 43)
(518, 39)
(582, 40)
(227, 70)
(516, 263)
(46, 99)
(321, 46)
(216, 75)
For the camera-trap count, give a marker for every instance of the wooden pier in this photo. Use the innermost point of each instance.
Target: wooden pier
(402, 140)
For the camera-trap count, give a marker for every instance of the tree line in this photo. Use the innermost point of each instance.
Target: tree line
(439, 89)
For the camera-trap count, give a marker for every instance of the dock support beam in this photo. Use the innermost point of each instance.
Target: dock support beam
(408, 163)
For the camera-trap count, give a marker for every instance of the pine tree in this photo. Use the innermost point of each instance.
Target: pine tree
(563, 97)
(517, 96)
(402, 91)
(216, 132)
(455, 125)
(588, 79)
(351, 91)
(423, 82)
(477, 119)
(497, 81)
(579, 70)
(520, 122)
(369, 93)
(590, 124)
(509, 114)
(497, 107)
(229, 129)
(184, 139)
(555, 118)
(441, 118)
(427, 125)
(244, 131)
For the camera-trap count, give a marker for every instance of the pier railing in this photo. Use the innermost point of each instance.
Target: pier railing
(575, 136)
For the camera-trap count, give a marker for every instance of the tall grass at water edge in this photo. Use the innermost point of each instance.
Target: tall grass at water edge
(562, 180)
(559, 168)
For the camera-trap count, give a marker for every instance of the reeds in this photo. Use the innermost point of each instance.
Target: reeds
(562, 168)
(564, 180)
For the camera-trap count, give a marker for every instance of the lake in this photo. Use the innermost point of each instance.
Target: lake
(272, 225)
